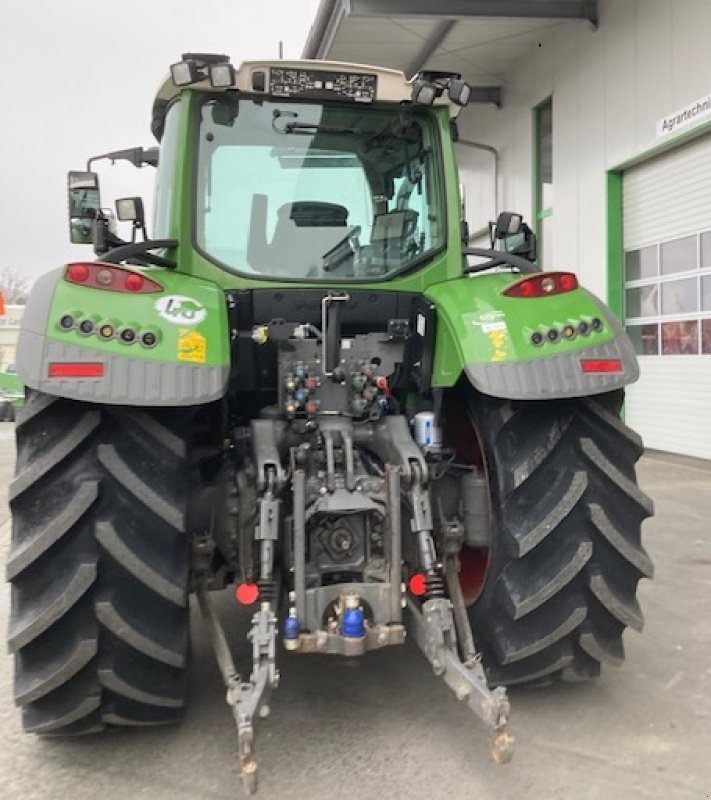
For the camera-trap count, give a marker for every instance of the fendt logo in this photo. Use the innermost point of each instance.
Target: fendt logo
(181, 310)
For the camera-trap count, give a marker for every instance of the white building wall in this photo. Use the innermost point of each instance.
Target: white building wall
(610, 86)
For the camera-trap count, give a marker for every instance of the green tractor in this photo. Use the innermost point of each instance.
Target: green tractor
(308, 385)
(12, 394)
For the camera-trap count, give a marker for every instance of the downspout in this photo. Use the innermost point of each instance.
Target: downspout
(489, 149)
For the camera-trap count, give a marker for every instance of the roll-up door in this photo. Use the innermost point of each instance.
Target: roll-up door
(667, 274)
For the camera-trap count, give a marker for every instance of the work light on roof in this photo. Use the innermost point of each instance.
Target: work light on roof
(222, 76)
(424, 92)
(459, 91)
(428, 85)
(195, 67)
(185, 72)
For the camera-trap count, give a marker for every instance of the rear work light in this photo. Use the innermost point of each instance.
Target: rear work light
(544, 285)
(68, 369)
(601, 364)
(110, 278)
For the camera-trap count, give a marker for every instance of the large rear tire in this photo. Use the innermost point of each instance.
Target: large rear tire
(565, 554)
(99, 565)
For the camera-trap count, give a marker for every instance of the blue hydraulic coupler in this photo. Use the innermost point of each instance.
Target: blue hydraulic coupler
(353, 623)
(292, 627)
(291, 630)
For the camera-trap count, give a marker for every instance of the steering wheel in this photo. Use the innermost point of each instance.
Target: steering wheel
(344, 249)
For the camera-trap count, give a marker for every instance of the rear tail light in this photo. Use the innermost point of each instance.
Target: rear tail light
(134, 282)
(601, 365)
(68, 369)
(110, 278)
(77, 273)
(545, 285)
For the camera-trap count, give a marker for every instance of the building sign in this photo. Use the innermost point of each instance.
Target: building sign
(685, 117)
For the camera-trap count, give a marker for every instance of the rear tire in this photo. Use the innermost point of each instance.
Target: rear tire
(99, 565)
(565, 553)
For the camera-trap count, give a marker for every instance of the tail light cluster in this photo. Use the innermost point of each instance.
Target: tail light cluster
(110, 278)
(544, 285)
(126, 334)
(567, 332)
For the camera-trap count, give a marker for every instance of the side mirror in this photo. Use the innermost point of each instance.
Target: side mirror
(84, 205)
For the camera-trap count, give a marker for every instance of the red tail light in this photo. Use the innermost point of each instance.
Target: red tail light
(544, 285)
(601, 364)
(68, 369)
(110, 278)
(77, 273)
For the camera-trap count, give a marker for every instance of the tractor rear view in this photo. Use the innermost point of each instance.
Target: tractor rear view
(309, 386)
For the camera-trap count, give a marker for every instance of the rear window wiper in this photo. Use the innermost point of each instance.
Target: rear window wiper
(306, 127)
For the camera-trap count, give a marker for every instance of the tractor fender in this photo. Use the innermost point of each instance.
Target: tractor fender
(188, 364)
(488, 337)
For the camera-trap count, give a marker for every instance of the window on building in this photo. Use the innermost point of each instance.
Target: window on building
(668, 296)
(543, 129)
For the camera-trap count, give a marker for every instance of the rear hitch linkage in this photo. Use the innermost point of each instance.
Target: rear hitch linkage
(435, 634)
(247, 699)
(250, 699)
(437, 620)
(440, 627)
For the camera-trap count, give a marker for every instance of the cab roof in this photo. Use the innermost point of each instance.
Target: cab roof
(261, 78)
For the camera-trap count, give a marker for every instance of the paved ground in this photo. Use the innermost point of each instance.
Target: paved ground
(390, 729)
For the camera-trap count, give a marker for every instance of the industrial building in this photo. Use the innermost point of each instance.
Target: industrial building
(593, 119)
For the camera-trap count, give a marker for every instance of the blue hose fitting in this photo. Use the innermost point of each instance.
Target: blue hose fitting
(353, 623)
(291, 627)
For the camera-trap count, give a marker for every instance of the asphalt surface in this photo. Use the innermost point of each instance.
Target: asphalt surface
(387, 728)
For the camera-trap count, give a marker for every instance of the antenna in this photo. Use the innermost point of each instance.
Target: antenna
(281, 49)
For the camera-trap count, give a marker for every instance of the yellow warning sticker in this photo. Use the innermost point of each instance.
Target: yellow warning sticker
(499, 340)
(192, 346)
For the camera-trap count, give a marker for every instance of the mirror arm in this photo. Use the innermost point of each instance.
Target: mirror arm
(140, 250)
(138, 226)
(104, 239)
(497, 258)
(138, 156)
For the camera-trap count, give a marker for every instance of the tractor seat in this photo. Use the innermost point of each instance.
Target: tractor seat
(305, 231)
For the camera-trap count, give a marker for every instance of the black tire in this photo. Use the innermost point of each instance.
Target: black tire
(99, 565)
(565, 555)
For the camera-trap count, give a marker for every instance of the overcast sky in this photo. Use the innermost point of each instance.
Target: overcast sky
(78, 79)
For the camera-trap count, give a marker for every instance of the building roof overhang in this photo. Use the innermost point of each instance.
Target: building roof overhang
(480, 39)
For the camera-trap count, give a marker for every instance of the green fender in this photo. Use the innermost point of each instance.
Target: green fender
(488, 336)
(187, 361)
